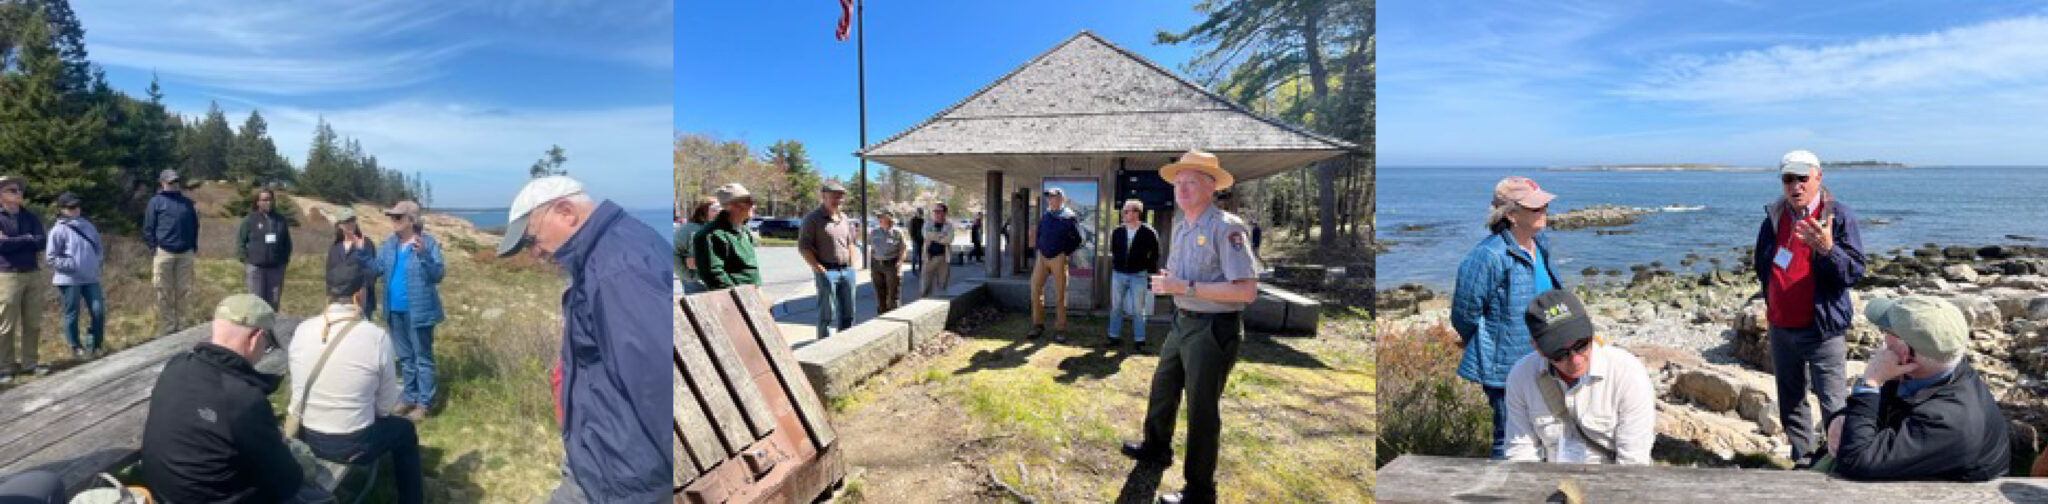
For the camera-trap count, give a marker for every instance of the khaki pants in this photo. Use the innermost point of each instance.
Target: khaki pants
(938, 272)
(172, 274)
(1056, 268)
(888, 281)
(21, 318)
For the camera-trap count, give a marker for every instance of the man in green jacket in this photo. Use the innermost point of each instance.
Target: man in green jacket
(725, 248)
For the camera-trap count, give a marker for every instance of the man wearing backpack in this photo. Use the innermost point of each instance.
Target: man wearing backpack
(74, 254)
(1575, 399)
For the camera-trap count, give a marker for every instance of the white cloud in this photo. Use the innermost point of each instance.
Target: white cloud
(1962, 59)
(477, 156)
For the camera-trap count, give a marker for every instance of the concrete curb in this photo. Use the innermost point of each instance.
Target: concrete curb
(836, 365)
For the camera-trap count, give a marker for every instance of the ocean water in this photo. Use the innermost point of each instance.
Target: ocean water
(660, 219)
(1434, 215)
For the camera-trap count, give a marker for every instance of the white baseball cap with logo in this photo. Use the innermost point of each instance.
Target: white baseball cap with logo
(539, 192)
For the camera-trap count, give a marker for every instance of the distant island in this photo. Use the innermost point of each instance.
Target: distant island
(1712, 167)
(1867, 163)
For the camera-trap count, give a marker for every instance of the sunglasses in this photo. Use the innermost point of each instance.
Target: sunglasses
(1575, 349)
(11, 190)
(1794, 179)
(1538, 210)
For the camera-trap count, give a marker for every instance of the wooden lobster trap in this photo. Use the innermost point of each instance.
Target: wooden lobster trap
(749, 427)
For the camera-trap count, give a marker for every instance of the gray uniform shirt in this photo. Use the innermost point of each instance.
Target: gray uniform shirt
(1215, 248)
(888, 243)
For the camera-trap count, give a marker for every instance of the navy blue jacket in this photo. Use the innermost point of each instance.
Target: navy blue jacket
(25, 237)
(170, 224)
(1833, 273)
(1059, 232)
(617, 359)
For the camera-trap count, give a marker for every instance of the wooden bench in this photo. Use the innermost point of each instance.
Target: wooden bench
(749, 427)
(88, 419)
(1418, 478)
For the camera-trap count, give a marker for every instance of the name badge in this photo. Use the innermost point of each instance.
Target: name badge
(1784, 259)
(1201, 240)
(270, 238)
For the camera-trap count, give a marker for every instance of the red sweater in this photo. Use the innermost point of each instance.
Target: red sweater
(1789, 302)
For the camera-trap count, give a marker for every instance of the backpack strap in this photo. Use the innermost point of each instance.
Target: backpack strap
(291, 422)
(1553, 395)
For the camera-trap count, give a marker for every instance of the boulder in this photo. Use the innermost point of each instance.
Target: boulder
(1982, 314)
(1959, 253)
(1960, 273)
(1722, 435)
(1757, 406)
(1751, 335)
(1712, 391)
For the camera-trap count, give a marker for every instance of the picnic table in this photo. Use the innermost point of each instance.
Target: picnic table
(1420, 478)
(88, 419)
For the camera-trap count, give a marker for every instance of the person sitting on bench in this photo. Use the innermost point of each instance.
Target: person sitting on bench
(211, 435)
(1920, 412)
(345, 384)
(1575, 399)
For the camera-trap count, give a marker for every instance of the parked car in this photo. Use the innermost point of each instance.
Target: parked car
(779, 228)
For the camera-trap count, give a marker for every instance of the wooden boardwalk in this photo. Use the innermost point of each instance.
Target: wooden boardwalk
(88, 419)
(749, 426)
(1417, 478)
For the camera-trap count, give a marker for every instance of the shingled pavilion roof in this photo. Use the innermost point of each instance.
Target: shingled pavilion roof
(1089, 99)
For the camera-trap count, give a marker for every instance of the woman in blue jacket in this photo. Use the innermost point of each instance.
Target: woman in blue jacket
(1496, 282)
(410, 262)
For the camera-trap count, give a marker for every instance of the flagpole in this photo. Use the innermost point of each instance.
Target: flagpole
(861, 61)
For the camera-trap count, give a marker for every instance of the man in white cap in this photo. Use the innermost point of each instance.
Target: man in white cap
(1920, 412)
(1808, 254)
(612, 382)
(1212, 277)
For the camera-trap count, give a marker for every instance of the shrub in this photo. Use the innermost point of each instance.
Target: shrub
(1424, 407)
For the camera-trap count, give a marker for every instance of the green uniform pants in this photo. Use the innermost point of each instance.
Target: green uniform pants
(1196, 358)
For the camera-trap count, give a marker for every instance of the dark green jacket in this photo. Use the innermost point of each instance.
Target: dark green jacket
(725, 255)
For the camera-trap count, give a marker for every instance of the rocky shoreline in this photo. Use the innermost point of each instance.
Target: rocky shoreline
(1597, 216)
(1703, 336)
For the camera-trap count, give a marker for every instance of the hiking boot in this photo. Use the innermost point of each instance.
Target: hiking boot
(1136, 450)
(1111, 343)
(418, 414)
(6, 378)
(1059, 336)
(1036, 331)
(78, 354)
(42, 369)
(1138, 346)
(402, 409)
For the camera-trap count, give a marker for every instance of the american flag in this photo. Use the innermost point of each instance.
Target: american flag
(845, 18)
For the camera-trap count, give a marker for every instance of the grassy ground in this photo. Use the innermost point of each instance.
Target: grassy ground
(1044, 420)
(493, 437)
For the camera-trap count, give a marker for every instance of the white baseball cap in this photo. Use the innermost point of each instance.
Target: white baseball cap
(1799, 162)
(539, 192)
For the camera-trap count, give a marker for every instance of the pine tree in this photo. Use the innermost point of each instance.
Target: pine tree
(45, 136)
(253, 157)
(550, 163)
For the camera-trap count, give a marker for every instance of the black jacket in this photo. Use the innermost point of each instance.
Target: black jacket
(1951, 430)
(211, 435)
(366, 298)
(25, 237)
(1144, 255)
(253, 245)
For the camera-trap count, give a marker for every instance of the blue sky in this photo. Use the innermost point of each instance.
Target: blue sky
(1738, 82)
(467, 92)
(766, 71)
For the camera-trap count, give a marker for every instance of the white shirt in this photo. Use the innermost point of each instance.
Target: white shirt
(359, 382)
(1615, 402)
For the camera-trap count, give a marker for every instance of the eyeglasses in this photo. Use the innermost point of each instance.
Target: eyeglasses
(1575, 349)
(1794, 179)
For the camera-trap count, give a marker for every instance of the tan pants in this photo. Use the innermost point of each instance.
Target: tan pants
(1056, 268)
(938, 272)
(172, 274)
(21, 318)
(888, 281)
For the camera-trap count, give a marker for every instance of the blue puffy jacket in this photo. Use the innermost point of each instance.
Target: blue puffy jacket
(1496, 282)
(423, 270)
(617, 359)
(1833, 273)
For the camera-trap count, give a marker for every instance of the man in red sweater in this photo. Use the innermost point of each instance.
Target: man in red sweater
(1808, 255)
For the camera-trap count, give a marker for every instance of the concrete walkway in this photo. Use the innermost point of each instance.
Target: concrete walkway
(796, 302)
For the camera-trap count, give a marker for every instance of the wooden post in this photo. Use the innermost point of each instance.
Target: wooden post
(992, 225)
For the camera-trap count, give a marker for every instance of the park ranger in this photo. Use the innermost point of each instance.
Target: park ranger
(1212, 277)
